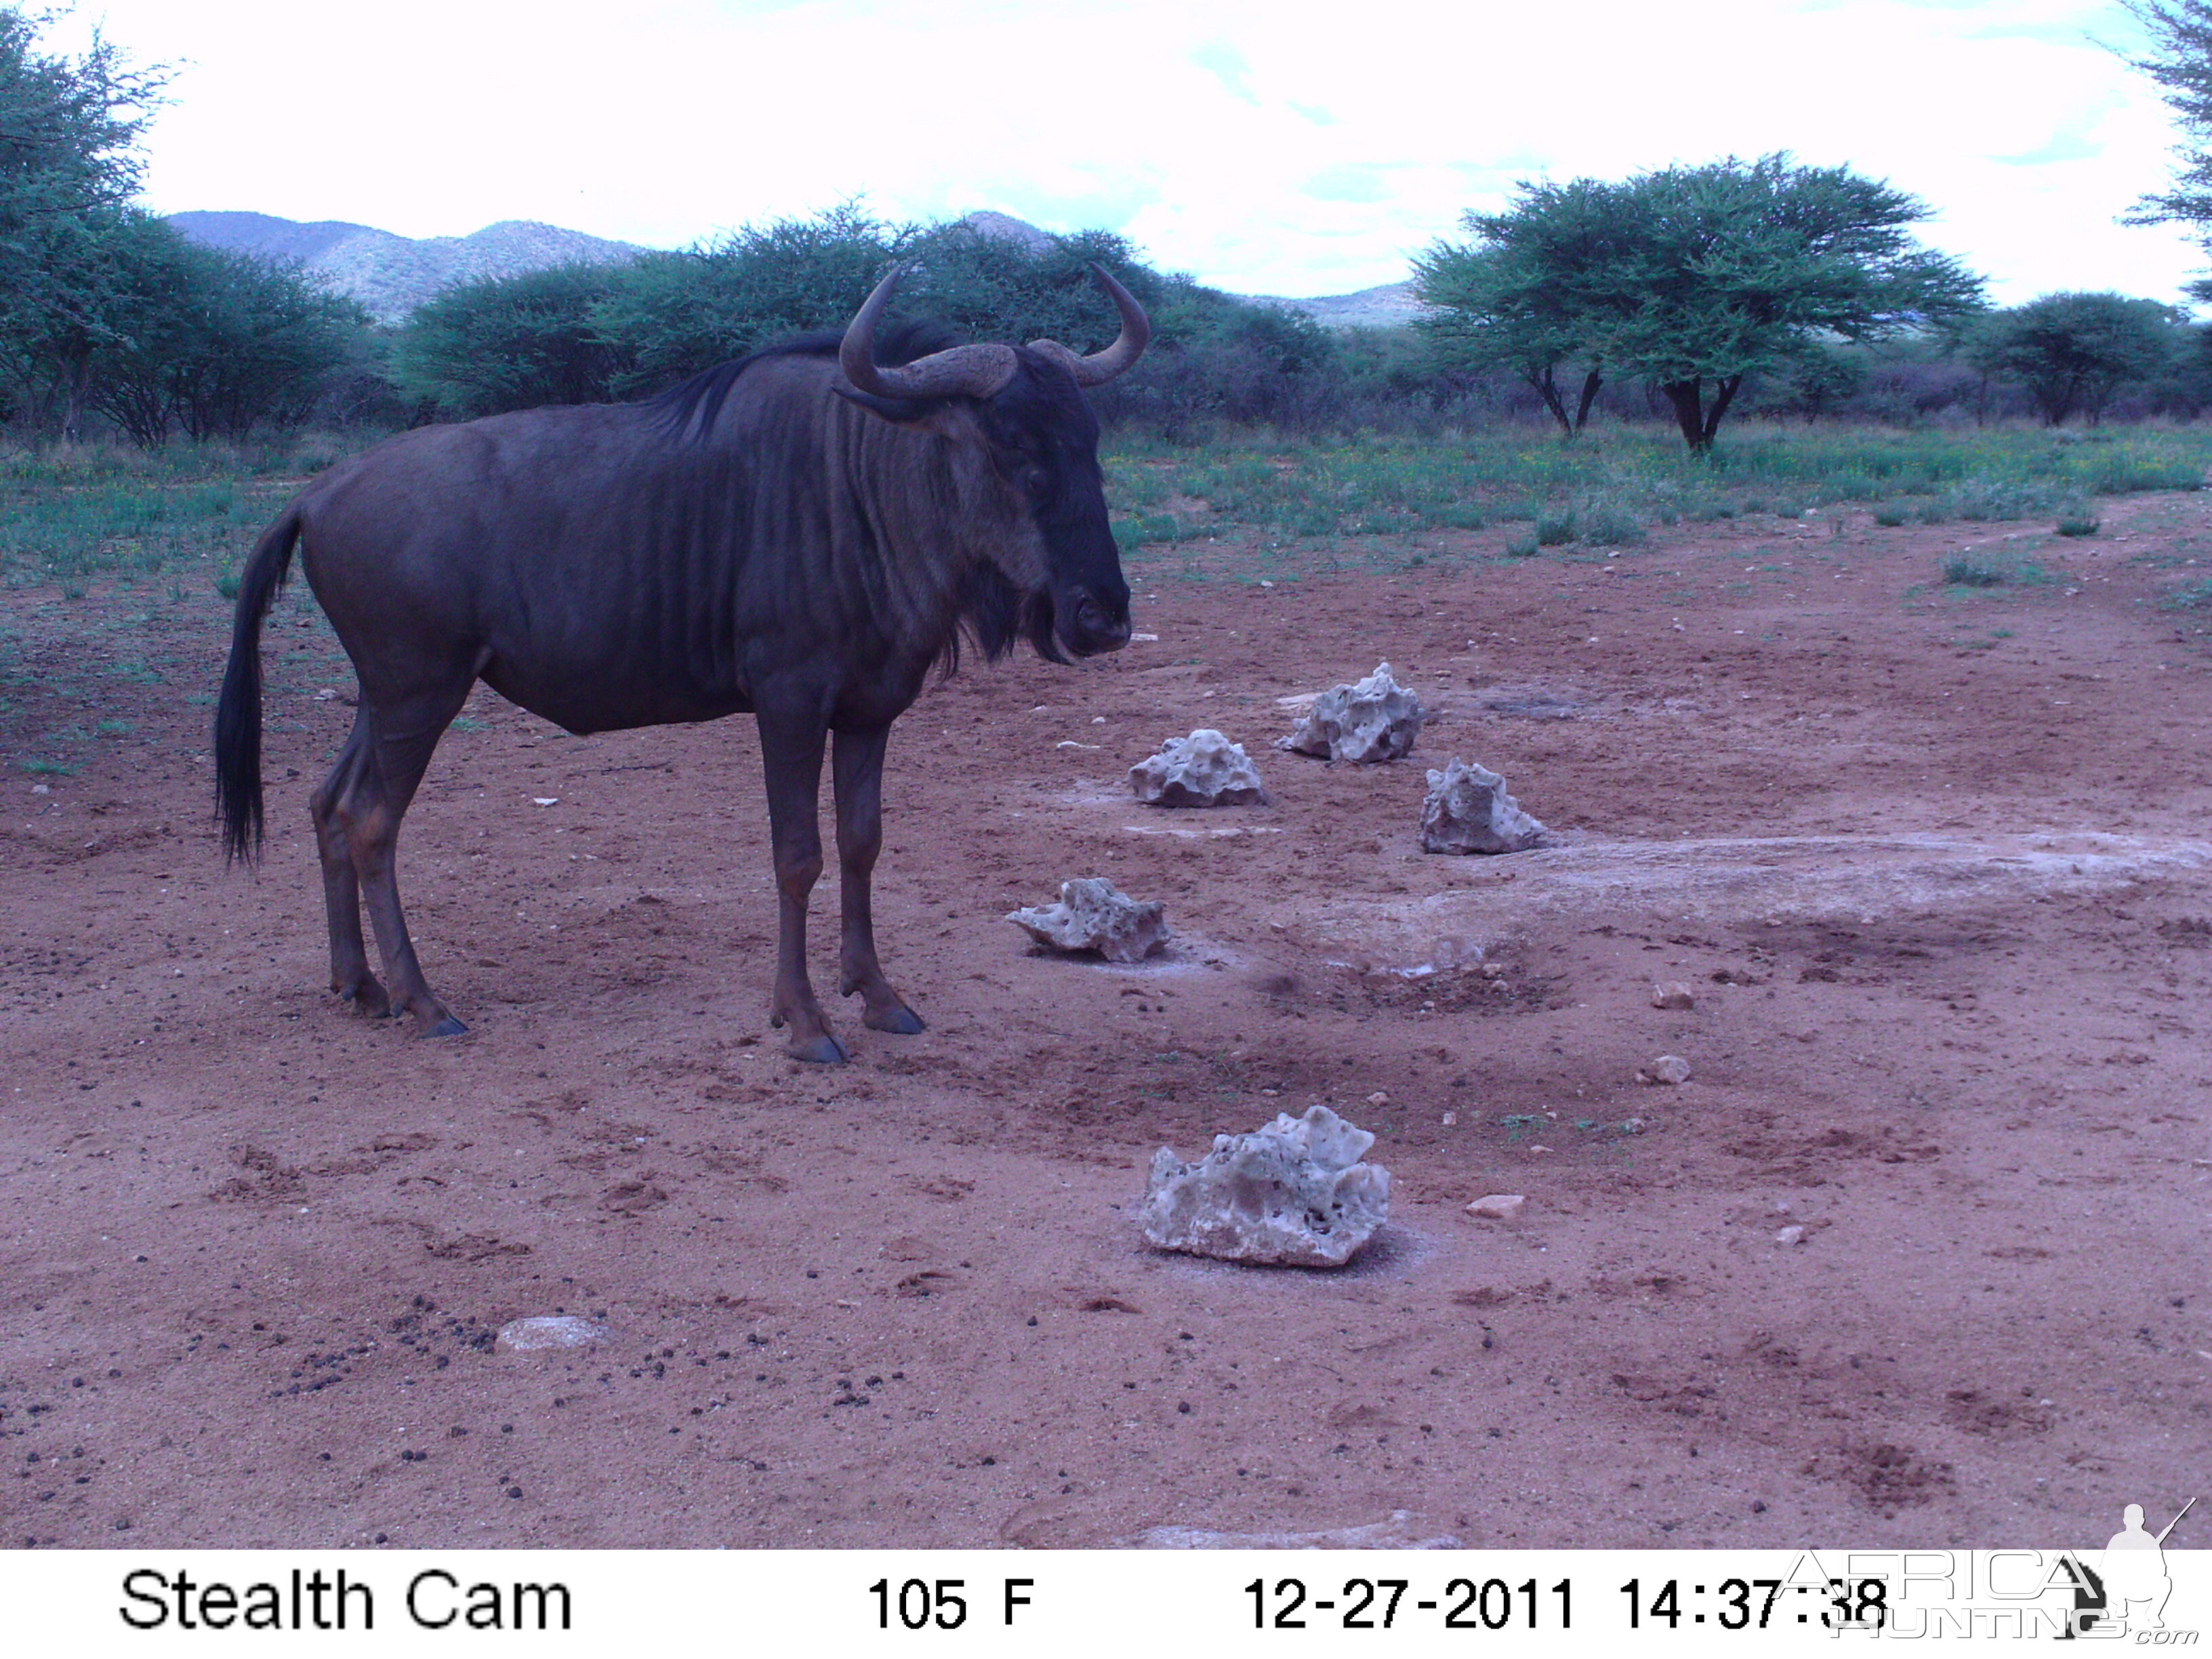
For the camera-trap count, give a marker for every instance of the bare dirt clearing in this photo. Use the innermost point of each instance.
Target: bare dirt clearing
(1936, 863)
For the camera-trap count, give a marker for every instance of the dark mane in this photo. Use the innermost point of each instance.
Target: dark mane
(993, 614)
(692, 405)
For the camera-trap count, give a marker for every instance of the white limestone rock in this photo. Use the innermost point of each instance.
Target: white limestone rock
(1093, 915)
(1293, 1193)
(1376, 719)
(1203, 769)
(1400, 1531)
(1467, 810)
(549, 1331)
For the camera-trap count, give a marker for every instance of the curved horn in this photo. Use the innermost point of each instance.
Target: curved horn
(1102, 365)
(970, 371)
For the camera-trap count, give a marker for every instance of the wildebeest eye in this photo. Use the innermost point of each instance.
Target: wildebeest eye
(1026, 470)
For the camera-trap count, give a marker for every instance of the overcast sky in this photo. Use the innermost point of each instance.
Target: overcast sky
(1259, 150)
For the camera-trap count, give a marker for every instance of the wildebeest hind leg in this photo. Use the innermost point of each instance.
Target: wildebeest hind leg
(404, 736)
(791, 756)
(857, 772)
(331, 806)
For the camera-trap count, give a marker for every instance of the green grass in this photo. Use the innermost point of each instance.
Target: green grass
(183, 519)
(2197, 596)
(72, 512)
(1608, 488)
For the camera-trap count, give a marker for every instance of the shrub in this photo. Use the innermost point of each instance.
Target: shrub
(1600, 520)
(1980, 501)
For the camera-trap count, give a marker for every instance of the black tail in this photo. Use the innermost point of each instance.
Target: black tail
(238, 713)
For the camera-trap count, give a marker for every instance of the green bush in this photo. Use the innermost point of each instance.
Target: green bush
(1982, 501)
(1601, 520)
(514, 343)
(1963, 571)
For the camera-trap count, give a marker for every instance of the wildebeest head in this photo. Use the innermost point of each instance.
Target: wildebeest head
(1024, 408)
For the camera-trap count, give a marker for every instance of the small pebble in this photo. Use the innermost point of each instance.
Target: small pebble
(1498, 1207)
(1673, 995)
(1668, 1069)
(1791, 1235)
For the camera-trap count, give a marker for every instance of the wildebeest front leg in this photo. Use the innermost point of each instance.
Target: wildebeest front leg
(791, 754)
(858, 773)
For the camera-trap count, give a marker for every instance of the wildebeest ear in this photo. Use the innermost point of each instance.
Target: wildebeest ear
(903, 411)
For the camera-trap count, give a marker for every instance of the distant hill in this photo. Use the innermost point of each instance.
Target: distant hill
(392, 275)
(1391, 306)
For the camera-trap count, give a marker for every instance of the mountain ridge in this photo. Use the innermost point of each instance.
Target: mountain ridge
(392, 274)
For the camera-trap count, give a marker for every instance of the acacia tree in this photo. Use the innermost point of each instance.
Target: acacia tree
(69, 164)
(673, 314)
(2180, 61)
(1694, 276)
(2073, 351)
(1516, 299)
(512, 343)
(214, 342)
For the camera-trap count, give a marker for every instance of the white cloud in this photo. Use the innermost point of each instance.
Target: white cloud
(1258, 150)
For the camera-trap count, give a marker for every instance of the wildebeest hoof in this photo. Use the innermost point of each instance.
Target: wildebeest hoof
(447, 1027)
(824, 1050)
(901, 1021)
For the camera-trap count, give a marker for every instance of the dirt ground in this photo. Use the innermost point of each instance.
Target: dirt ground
(1936, 864)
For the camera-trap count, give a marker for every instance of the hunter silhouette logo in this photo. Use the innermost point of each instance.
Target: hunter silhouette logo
(2127, 1590)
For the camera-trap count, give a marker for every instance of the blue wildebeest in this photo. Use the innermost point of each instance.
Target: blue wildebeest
(798, 534)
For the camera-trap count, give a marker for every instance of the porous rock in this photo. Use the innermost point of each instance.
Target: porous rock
(1203, 769)
(549, 1331)
(1668, 1069)
(1292, 1192)
(1467, 810)
(1376, 719)
(1094, 914)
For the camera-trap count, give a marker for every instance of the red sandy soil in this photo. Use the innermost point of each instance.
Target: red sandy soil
(1935, 862)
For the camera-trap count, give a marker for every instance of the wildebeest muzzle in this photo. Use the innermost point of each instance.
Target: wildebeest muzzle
(1088, 625)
